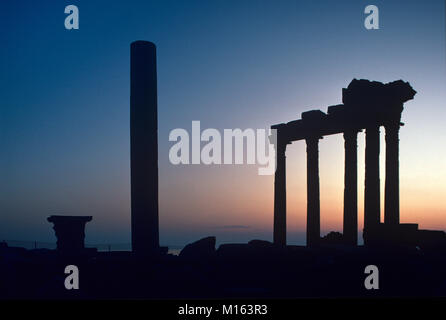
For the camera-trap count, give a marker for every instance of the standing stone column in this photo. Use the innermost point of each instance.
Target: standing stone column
(144, 148)
(391, 191)
(280, 195)
(372, 190)
(351, 188)
(313, 204)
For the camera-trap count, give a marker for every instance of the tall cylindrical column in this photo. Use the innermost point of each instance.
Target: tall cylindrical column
(280, 195)
(313, 204)
(351, 188)
(144, 148)
(372, 190)
(391, 191)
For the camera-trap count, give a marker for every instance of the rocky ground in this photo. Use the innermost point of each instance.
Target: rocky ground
(254, 270)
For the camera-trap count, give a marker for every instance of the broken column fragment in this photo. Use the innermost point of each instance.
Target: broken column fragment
(70, 232)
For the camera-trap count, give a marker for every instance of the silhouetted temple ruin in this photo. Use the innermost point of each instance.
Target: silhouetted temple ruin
(366, 105)
(144, 148)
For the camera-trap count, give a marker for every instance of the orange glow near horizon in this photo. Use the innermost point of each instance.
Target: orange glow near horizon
(237, 196)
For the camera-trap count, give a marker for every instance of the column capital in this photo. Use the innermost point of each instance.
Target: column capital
(373, 128)
(393, 125)
(313, 137)
(312, 141)
(280, 147)
(351, 134)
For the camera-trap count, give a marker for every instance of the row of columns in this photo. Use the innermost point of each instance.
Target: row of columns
(372, 185)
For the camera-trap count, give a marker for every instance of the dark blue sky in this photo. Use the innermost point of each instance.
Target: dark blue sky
(65, 96)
